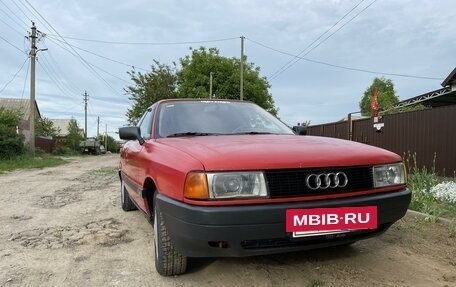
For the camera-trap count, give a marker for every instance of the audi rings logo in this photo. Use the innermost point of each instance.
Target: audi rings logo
(326, 180)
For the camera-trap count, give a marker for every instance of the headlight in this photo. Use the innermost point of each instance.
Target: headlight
(236, 184)
(390, 174)
(223, 185)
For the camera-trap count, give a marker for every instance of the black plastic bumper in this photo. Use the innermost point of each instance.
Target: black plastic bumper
(248, 230)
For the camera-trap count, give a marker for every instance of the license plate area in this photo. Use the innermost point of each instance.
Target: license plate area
(330, 221)
(301, 234)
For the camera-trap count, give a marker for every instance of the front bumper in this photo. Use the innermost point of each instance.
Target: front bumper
(248, 230)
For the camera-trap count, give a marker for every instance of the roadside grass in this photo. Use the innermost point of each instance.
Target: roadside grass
(105, 171)
(25, 162)
(315, 283)
(430, 193)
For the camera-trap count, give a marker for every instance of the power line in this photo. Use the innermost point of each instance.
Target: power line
(98, 55)
(88, 63)
(343, 67)
(148, 43)
(338, 29)
(31, 12)
(17, 48)
(314, 41)
(78, 55)
(20, 69)
(25, 81)
(57, 71)
(22, 11)
(12, 12)
(56, 80)
(19, 32)
(324, 40)
(112, 75)
(53, 76)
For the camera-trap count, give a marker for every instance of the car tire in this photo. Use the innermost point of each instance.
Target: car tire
(168, 261)
(126, 203)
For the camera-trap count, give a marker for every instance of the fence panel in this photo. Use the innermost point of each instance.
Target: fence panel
(430, 135)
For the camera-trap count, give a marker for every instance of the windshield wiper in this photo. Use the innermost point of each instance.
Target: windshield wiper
(254, 133)
(191, 134)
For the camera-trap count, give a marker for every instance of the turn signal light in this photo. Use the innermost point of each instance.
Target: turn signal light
(196, 186)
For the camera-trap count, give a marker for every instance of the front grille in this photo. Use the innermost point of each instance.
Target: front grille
(293, 182)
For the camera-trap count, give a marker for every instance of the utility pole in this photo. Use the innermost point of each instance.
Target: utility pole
(32, 89)
(33, 50)
(98, 127)
(85, 114)
(210, 85)
(241, 86)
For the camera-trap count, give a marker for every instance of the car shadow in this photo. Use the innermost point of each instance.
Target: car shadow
(195, 265)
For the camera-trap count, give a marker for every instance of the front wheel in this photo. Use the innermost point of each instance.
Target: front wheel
(127, 204)
(168, 261)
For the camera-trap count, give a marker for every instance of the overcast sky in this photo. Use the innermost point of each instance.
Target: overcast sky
(407, 37)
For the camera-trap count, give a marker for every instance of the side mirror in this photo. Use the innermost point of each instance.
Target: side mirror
(300, 130)
(131, 133)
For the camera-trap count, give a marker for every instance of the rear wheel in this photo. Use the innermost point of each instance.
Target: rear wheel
(127, 204)
(168, 261)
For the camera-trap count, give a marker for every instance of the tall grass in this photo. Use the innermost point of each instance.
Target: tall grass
(421, 181)
(25, 161)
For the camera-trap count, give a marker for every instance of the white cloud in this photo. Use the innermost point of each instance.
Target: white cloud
(405, 37)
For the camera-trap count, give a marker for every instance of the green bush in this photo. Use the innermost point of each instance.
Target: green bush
(11, 147)
(11, 143)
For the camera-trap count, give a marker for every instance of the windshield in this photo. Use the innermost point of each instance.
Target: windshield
(202, 118)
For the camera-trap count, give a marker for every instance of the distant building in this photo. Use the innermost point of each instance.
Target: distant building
(445, 96)
(450, 81)
(62, 127)
(23, 106)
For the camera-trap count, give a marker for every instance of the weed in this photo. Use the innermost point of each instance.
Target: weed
(315, 283)
(105, 171)
(23, 162)
(429, 196)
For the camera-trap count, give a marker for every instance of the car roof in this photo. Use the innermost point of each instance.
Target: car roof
(201, 100)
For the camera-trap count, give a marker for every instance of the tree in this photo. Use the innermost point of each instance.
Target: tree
(45, 127)
(386, 96)
(148, 88)
(194, 78)
(74, 136)
(11, 143)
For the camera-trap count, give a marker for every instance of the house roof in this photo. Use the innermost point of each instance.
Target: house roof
(451, 79)
(445, 96)
(62, 126)
(437, 98)
(22, 105)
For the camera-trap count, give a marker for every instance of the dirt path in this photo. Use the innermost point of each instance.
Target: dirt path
(63, 226)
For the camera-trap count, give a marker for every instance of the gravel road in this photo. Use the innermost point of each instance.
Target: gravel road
(63, 226)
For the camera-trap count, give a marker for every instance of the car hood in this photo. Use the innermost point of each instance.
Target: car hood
(259, 152)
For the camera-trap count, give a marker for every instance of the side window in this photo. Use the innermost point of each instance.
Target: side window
(146, 123)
